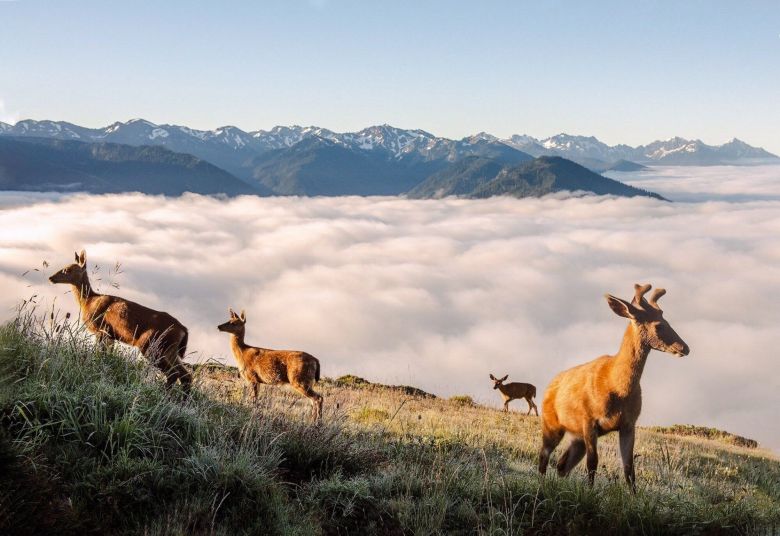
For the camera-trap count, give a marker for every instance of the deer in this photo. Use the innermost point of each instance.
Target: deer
(515, 391)
(604, 395)
(161, 339)
(262, 365)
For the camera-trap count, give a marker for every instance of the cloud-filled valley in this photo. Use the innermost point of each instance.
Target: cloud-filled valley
(438, 294)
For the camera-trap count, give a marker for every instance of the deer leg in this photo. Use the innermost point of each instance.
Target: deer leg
(532, 405)
(592, 460)
(185, 377)
(314, 397)
(171, 375)
(627, 454)
(179, 372)
(506, 405)
(255, 389)
(316, 402)
(174, 370)
(571, 457)
(550, 440)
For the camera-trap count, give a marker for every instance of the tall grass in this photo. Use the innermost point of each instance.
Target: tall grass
(90, 441)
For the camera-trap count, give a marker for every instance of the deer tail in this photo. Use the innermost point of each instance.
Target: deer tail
(533, 391)
(317, 370)
(182, 351)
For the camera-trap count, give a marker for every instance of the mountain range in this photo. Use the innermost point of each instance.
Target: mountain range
(378, 160)
(235, 150)
(674, 151)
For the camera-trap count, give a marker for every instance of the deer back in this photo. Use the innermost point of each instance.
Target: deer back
(132, 323)
(519, 390)
(272, 366)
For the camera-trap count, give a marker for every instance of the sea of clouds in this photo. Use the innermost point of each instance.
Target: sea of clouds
(439, 294)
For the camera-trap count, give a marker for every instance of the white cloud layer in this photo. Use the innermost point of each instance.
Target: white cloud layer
(439, 294)
(708, 183)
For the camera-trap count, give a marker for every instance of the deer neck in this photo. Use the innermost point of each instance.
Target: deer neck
(83, 292)
(629, 362)
(239, 346)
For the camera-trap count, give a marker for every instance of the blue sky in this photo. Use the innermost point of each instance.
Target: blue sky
(624, 73)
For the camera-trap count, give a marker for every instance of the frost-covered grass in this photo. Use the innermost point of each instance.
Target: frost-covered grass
(91, 442)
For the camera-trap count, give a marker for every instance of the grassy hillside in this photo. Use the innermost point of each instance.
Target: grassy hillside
(91, 443)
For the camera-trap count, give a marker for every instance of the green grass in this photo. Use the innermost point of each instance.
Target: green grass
(90, 442)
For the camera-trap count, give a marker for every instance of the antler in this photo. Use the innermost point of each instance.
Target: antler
(639, 293)
(657, 293)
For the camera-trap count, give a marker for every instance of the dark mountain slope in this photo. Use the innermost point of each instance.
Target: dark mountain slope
(479, 177)
(38, 164)
(319, 166)
(460, 179)
(316, 166)
(548, 174)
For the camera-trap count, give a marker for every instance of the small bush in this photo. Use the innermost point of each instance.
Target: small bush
(350, 380)
(707, 433)
(370, 415)
(462, 400)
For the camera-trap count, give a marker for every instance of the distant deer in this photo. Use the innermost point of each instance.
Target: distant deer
(604, 395)
(260, 365)
(515, 391)
(161, 338)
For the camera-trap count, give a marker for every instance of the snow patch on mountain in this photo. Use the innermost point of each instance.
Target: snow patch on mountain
(158, 133)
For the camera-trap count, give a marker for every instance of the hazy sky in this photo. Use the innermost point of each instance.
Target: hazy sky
(623, 72)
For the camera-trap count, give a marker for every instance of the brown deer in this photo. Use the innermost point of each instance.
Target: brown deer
(515, 391)
(604, 395)
(161, 338)
(261, 365)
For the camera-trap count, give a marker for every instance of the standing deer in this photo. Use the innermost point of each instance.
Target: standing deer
(260, 365)
(604, 395)
(161, 338)
(515, 391)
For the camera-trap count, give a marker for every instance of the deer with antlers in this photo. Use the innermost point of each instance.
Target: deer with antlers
(160, 337)
(261, 365)
(515, 391)
(604, 395)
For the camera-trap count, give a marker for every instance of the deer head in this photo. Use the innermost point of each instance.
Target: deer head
(73, 274)
(648, 318)
(498, 381)
(235, 325)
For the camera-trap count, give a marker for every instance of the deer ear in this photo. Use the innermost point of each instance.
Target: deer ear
(243, 316)
(231, 312)
(621, 307)
(492, 377)
(75, 254)
(81, 258)
(504, 378)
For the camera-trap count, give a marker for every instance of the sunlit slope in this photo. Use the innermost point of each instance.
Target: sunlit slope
(91, 442)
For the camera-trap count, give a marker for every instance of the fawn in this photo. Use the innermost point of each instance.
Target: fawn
(515, 391)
